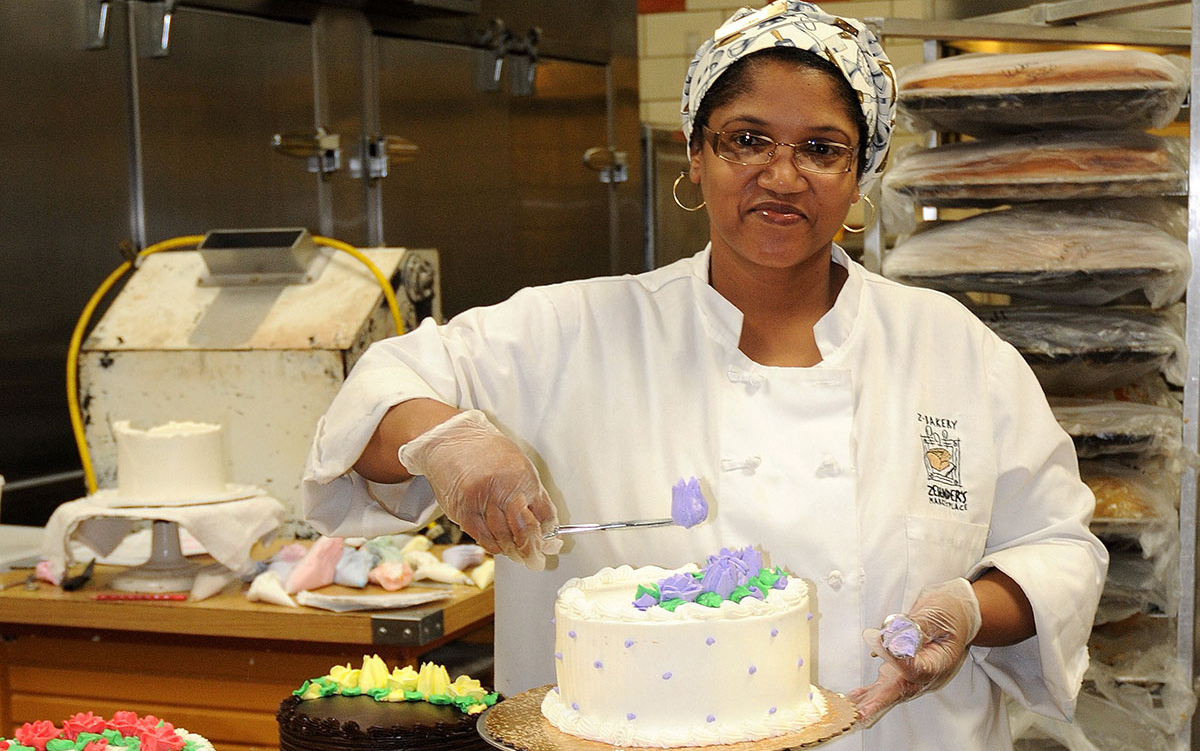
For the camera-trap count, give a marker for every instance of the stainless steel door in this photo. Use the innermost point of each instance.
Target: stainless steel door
(499, 186)
(64, 212)
(208, 112)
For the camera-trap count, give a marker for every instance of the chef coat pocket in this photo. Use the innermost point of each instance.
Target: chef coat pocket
(939, 550)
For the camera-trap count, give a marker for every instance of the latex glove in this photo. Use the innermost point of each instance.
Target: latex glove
(948, 617)
(485, 484)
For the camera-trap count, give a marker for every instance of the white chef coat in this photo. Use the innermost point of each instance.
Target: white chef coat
(920, 449)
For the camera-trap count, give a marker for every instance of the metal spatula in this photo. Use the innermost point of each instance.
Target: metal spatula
(574, 529)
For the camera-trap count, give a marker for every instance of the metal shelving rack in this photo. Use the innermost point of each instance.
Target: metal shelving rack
(1054, 24)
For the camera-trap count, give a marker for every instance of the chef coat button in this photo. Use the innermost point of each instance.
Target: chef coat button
(828, 467)
(835, 580)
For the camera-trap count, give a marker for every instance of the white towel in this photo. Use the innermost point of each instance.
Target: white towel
(226, 530)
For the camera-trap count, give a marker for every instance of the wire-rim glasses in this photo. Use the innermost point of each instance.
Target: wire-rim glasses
(748, 148)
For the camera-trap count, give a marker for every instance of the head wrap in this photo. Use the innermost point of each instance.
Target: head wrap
(845, 42)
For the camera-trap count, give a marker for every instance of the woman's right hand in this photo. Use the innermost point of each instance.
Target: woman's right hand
(486, 484)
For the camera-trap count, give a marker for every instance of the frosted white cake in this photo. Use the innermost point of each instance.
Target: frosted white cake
(175, 463)
(693, 676)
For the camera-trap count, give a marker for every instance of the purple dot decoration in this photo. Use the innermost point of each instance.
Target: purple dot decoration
(771, 710)
(753, 670)
(575, 706)
(571, 634)
(598, 664)
(631, 716)
(808, 617)
(800, 662)
(556, 689)
(628, 643)
(710, 641)
(553, 620)
(810, 695)
(667, 676)
(774, 632)
(710, 718)
(558, 655)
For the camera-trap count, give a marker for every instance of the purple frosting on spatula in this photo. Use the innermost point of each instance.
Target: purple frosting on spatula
(688, 507)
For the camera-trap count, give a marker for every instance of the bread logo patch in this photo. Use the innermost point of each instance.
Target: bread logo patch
(941, 444)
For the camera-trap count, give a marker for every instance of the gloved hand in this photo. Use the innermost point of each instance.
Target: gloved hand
(485, 484)
(948, 617)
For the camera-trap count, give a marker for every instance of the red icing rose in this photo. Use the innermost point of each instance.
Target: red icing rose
(36, 734)
(100, 744)
(4, 745)
(125, 723)
(82, 723)
(160, 738)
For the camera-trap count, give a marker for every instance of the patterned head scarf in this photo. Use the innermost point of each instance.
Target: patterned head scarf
(845, 42)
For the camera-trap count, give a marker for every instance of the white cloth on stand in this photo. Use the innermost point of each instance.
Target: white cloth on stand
(226, 530)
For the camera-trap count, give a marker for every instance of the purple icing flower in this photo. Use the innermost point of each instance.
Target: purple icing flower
(646, 601)
(683, 586)
(901, 636)
(781, 583)
(688, 507)
(729, 569)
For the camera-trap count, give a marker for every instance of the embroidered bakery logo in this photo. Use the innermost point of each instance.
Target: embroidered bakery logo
(942, 448)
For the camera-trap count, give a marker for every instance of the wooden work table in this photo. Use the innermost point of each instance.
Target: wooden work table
(218, 667)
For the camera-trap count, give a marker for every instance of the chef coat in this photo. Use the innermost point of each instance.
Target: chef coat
(920, 449)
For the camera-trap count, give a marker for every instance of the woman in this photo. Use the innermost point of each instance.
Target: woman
(876, 439)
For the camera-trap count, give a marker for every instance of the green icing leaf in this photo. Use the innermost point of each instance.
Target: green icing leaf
(709, 600)
(413, 696)
(190, 746)
(352, 691)
(14, 746)
(440, 699)
(86, 738)
(491, 698)
(113, 737)
(379, 694)
(300, 691)
(60, 744)
(739, 592)
(651, 590)
(768, 578)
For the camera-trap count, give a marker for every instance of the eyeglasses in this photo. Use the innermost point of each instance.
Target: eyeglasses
(747, 148)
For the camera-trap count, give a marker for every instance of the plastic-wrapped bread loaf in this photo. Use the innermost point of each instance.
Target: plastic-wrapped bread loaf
(1047, 253)
(996, 94)
(1081, 350)
(1039, 166)
(1105, 427)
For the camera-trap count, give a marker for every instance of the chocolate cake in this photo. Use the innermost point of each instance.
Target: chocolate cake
(374, 709)
(360, 722)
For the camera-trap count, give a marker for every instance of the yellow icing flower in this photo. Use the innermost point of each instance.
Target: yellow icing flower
(433, 679)
(344, 676)
(404, 678)
(312, 692)
(475, 708)
(374, 673)
(467, 686)
(396, 694)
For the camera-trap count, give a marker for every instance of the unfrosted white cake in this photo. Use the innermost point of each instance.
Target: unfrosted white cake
(175, 463)
(688, 676)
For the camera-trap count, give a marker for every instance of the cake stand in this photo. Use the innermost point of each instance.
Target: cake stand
(517, 724)
(167, 570)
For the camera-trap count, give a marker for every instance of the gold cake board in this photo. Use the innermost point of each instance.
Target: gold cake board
(517, 724)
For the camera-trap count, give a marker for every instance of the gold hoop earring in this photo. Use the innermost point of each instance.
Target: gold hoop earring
(675, 195)
(868, 223)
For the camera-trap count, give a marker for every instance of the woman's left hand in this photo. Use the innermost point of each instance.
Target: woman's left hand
(948, 617)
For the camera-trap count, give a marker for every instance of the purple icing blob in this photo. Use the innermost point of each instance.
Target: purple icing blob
(628, 643)
(631, 716)
(901, 636)
(684, 586)
(571, 634)
(558, 655)
(710, 641)
(710, 718)
(774, 632)
(771, 710)
(753, 670)
(598, 664)
(688, 507)
(667, 676)
(645, 601)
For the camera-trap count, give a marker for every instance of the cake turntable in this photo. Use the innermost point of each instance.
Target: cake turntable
(517, 724)
(167, 570)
